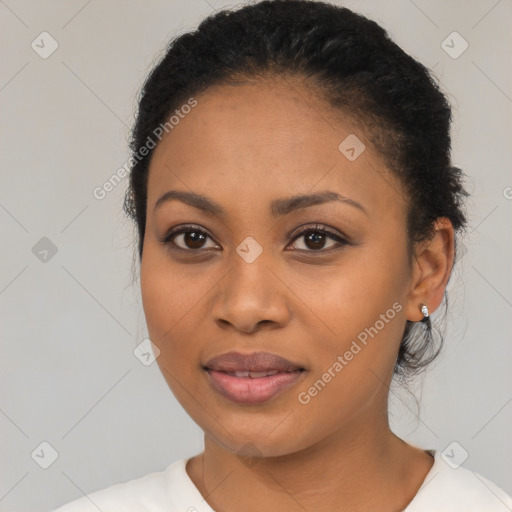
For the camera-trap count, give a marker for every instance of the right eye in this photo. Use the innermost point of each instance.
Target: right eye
(188, 238)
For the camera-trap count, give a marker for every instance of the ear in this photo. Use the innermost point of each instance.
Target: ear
(432, 266)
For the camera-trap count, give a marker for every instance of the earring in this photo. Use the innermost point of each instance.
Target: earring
(424, 310)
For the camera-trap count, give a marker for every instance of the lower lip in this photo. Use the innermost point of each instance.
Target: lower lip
(245, 390)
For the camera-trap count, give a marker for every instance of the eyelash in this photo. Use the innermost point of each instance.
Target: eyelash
(167, 239)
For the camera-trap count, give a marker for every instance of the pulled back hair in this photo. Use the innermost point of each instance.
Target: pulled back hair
(361, 73)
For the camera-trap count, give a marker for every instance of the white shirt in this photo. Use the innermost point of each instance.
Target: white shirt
(444, 490)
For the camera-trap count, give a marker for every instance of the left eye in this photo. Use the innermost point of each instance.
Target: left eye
(314, 240)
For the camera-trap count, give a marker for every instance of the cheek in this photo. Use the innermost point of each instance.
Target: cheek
(354, 363)
(169, 310)
(361, 306)
(169, 294)
(353, 295)
(171, 301)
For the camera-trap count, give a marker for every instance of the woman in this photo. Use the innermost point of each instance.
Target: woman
(298, 215)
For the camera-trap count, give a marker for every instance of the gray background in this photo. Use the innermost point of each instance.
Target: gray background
(69, 325)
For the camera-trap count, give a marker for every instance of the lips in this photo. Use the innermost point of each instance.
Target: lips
(252, 378)
(253, 375)
(254, 363)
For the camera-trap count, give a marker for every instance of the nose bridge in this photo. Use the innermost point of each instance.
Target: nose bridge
(250, 294)
(250, 276)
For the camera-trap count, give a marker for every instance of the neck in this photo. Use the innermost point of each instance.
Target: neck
(366, 468)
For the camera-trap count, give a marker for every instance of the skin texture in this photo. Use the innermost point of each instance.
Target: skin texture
(242, 147)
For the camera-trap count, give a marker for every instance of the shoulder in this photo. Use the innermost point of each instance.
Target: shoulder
(153, 491)
(451, 489)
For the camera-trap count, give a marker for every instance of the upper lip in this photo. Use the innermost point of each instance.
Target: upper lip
(255, 362)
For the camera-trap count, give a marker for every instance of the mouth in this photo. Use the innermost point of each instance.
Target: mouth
(252, 375)
(253, 378)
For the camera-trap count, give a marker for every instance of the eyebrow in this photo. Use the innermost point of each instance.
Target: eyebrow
(278, 207)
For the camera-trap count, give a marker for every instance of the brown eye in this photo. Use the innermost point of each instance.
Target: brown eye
(315, 240)
(192, 239)
(188, 238)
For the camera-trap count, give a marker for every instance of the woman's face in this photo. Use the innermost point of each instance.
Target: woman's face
(255, 275)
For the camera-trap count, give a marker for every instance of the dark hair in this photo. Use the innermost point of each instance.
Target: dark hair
(353, 63)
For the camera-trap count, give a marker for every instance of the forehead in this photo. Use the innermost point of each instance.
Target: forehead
(264, 139)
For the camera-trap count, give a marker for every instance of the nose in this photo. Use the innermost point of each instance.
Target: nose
(251, 296)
